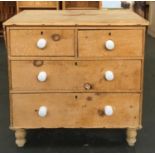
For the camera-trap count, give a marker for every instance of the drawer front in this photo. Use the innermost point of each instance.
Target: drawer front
(75, 110)
(33, 4)
(109, 43)
(94, 76)
(42, 42)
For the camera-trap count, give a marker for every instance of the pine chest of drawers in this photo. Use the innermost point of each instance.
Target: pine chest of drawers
(75, 69)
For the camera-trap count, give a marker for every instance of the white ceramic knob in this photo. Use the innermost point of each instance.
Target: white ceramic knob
(109, 75)
(108, 110)
(41, 43)
(110, 45)
(42, 76)
(42, 111)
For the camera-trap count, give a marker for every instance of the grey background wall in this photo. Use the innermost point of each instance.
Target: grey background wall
(151, 29)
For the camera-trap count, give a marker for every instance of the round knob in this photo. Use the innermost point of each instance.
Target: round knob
(108, 110)
(41, 43)
(110, 45)
(42, 111)
(87, 86)
(109, 75)
(42, 76)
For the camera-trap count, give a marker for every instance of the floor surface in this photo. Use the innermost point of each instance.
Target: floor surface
(89, 140)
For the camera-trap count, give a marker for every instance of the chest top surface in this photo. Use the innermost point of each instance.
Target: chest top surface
(77, 18)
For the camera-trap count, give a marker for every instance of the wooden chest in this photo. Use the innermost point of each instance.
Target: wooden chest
(75, 69)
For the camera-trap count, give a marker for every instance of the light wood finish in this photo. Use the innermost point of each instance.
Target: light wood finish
(77, 18)
(75, 91)
(72, 75)
(26, 5)
(131, 136)
(81, 5)
(76, 58)
(19, 39)
(20, 135)
(75, 110)
(92, 43)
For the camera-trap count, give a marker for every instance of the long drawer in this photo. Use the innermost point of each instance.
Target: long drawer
(42, 42)
(93, 76)
(109, 43)
(75, 110)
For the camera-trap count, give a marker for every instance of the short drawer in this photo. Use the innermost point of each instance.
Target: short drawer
(41, 42)
(75, 110)
(93, 76)
(109, 43)
(33, 4)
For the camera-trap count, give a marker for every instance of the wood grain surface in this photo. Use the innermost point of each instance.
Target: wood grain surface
(77, 18)
(75, 110)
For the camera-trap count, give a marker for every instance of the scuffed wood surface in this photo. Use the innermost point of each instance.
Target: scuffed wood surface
(75, 110)
(77, 17)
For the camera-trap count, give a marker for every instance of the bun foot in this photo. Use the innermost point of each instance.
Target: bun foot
(20, 135)
(131, 136)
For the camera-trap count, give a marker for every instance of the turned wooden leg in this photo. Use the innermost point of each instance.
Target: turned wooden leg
(20, 135)
(131, 136)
